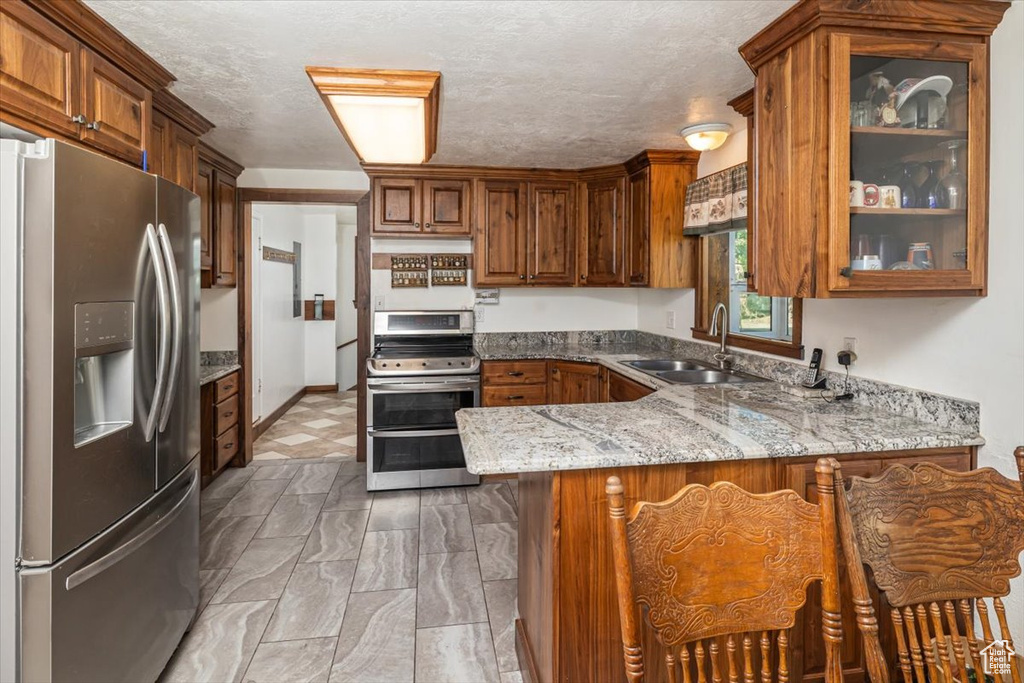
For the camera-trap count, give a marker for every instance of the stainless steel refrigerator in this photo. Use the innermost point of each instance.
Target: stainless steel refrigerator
(99, 416)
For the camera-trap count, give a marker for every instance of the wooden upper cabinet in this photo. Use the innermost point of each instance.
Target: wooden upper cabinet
(638, 245)
(822, 135)
(551, 258)
(225, 245)
(602, 258)
(204, 182)
(396, 205)
(159, 146)
(570, 382)
(116, 108)
(499, 249)
(39, 70)
(183, 152)
(446, 207)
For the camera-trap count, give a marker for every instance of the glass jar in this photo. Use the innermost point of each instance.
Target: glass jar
(954, 185)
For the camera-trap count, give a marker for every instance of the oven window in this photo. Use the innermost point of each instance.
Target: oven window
(398, 453)
(419, 411)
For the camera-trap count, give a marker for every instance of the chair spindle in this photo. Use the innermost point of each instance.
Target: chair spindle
(954, 635)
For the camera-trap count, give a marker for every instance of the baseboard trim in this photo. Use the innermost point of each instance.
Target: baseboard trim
(525, 652)
(264, 424)
(322, 389)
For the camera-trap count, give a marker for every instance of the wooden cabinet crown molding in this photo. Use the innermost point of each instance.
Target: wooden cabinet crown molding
(219, 160)
(185, 116)
(743, 104)
(644, 158)
(77, 19)
(961, 17)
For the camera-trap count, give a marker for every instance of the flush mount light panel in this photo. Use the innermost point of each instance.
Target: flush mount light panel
(387, 116)
(706, 135)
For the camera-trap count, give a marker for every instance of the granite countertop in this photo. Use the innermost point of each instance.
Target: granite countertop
(211, 373)
(679, 423)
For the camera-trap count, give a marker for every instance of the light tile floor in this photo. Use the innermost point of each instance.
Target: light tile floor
(307, 577)
(319, 425)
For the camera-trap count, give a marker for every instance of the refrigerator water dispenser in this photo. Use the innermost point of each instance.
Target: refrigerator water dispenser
(103, 369)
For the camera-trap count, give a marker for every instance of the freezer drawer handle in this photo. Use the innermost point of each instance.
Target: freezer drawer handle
(128, 547)
(411, 434)
(163, 356)
(176, 315)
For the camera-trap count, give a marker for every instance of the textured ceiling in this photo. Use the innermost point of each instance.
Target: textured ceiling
(544, 84)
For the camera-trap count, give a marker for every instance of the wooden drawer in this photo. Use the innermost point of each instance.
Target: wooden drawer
(225, 447)
(957, 462)
(225, 387)
(512, 395)
(226, 414)
(514, 372)
(622, 388)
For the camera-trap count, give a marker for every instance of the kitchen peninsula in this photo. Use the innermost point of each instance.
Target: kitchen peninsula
(757, 435)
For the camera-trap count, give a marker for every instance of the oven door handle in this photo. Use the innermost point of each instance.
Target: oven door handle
(409, 434)
(422, 387)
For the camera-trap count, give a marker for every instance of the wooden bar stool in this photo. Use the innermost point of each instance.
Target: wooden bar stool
(719, 574)
(939, 543)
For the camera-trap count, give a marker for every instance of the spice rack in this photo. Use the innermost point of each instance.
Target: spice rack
(449, 270)
(409, 270)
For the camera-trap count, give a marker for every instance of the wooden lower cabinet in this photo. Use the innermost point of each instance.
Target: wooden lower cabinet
(621, 388)
(571, 382)
(219, 425)
(514, 383)
(568, 628)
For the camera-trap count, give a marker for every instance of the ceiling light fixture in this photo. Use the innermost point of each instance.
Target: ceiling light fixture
(706, 135)
(387, 116)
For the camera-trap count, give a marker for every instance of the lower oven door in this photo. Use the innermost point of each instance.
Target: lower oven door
(412, 440)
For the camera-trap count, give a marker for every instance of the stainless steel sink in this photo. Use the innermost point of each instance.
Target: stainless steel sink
(690, 372)
(653, 366)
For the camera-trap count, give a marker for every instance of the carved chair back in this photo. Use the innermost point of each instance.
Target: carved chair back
(719, 574)
(938, 543)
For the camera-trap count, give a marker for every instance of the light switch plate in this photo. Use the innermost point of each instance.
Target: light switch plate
(378, 303)
(670, 320)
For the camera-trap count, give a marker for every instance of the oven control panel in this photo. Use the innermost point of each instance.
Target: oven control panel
(422, 322)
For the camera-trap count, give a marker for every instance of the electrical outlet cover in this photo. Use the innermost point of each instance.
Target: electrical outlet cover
(850, 344)
(378, 303)
(670, 320)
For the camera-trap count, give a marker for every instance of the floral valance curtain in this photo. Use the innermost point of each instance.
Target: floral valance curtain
(717, 203)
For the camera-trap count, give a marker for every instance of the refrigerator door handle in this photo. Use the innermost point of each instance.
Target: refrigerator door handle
(163, 353)
(176, 315)
(135, 542)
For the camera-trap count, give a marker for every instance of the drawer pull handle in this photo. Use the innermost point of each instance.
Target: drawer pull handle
(512, 373)
(229, 414)
(229, 445)
(514, 398)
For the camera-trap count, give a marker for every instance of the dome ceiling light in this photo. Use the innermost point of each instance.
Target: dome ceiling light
(706, 136)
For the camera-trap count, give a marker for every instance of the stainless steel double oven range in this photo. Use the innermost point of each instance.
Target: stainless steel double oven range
(422, 371)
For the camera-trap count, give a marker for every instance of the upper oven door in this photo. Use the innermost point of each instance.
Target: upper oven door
(419, 403)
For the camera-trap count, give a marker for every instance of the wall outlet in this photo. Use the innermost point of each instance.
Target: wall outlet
(850, 344)
(478, 314)
(670, 320)
(378, 303)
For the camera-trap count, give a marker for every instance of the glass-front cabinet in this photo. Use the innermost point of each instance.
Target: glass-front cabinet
(908, 182)
(871, 148)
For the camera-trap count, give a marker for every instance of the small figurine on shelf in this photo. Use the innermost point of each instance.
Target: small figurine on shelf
(879, 90)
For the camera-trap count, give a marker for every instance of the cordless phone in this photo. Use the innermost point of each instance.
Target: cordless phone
(812, 377)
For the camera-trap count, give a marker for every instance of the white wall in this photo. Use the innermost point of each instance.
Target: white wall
(218, 319)
(320, 276)
(282, 336)
(519, 309)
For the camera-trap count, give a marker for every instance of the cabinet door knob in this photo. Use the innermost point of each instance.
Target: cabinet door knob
(522, 277)
(415, 225)
(427, 226)
(583, 277)
(78, 118)
(532, 276)
(95, 125)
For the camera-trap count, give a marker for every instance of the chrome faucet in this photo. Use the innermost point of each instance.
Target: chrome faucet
(723, 358)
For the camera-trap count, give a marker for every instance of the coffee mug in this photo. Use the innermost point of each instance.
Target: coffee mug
(889, 196)
(870, 194)
(856, 193)
(872, 263)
